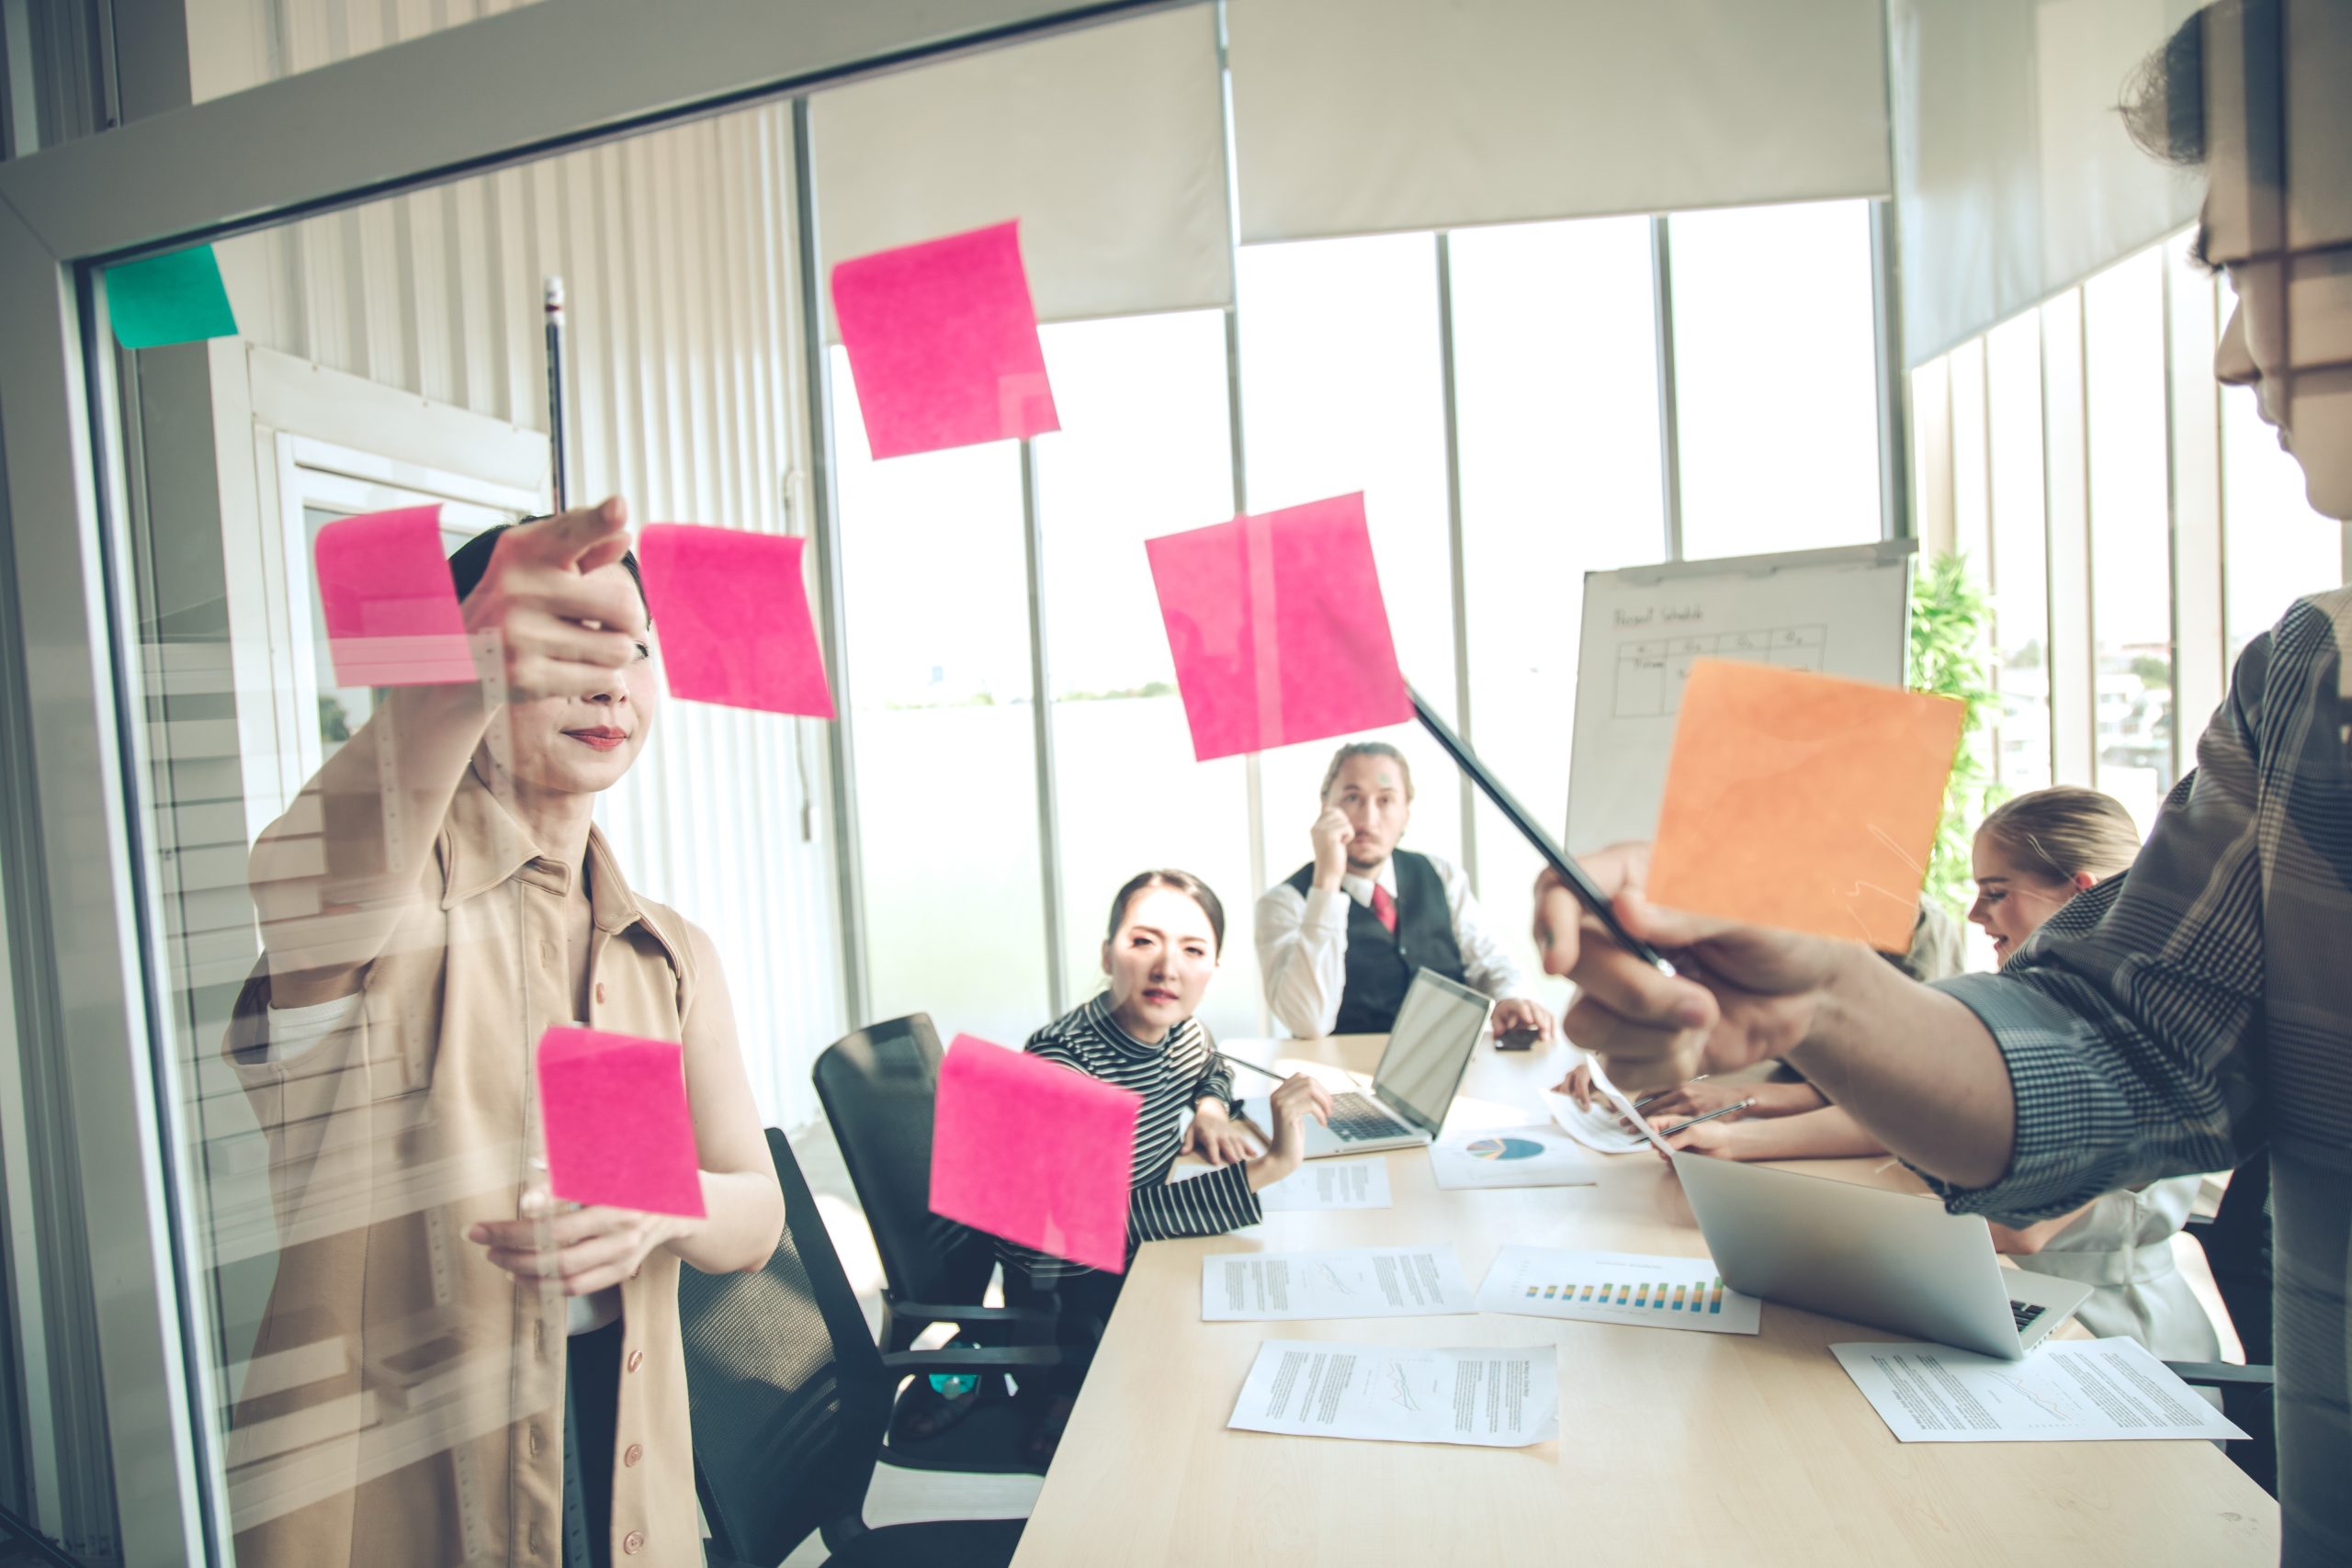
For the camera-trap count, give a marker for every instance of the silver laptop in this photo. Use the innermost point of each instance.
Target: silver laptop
(1888, 1259)
(1438, 1025)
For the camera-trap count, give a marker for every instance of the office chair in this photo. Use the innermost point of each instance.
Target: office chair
(789, 1399)
(2237, 1247)
(877, 1086)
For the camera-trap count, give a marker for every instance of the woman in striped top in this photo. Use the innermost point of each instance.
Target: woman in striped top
(1165, 934)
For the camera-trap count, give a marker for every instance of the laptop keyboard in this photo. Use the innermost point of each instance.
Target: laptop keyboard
(2025, 1313)
(1355, 1117)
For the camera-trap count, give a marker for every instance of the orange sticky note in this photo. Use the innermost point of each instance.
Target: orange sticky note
(1802, 801)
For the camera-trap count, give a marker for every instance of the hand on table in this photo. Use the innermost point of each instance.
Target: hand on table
(1722, 1137)
(1294, 1098)
(1215, 1137)
(1740, 993)
(586, 1250)
(1520, 1012)
(1696, 1099)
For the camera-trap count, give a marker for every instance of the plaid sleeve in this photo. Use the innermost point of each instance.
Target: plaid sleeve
(2131, 1021)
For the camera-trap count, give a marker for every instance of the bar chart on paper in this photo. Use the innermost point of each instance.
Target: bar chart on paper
(1617, 1287)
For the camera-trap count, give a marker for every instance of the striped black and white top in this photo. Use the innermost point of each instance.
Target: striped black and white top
(1171, 1075)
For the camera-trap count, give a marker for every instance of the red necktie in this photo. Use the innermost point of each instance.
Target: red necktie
(1383, 907)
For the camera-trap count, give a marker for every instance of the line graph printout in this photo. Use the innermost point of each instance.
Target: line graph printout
(1486, 1397)
(1617, 1287)
(1373, 1281)
(2062, 1391)
(1652, 671)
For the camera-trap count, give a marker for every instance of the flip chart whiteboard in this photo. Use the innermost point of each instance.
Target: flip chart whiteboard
(1841, 612)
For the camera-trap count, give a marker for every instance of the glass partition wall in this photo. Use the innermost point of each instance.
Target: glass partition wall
(358, 905)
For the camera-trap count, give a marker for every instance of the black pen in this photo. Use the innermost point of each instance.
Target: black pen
(1669, 1131)
(1571, 875)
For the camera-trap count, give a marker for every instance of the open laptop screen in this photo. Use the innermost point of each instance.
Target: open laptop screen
(1437, 1027)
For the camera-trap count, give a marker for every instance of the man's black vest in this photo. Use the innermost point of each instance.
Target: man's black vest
(1380, 966)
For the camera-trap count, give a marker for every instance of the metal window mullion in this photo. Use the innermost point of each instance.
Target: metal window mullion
(1253, 776)
(1041, 714)
(1896, 521)
(825, 530)
(1457, 558)
(1669, 413)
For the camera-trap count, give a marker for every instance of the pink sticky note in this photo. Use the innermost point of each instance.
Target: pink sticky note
(614, 1110)
(943, 343)
(1034, 1153)
(1278, 628)
(732, 615)
(391, 609)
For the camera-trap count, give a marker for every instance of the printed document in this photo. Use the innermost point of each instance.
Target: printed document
(1330, 1184)
(2065, 1391)
(1617, 1287)
(1490, 1398)
(1373, 1281)
(1600, 1127)
(1510, 1156)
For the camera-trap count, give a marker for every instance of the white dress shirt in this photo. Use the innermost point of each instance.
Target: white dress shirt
(1303, 945)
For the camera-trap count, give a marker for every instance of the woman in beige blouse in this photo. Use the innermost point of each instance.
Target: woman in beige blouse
(435, 900)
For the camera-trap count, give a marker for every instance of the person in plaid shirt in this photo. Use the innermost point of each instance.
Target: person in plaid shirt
(2198, 1008)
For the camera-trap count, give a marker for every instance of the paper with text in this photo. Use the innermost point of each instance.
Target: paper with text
(1330, 1184)
(618, 1131)
(1037, 1154)
(1529, 1156)
(1637, 1289)
(1373, 1281)
(1802, 801)
(389, 603)
(942, 339)
(731, 609)
(2065, 1391)
(1277, 627)
(1497, 1398)
(1603, 1126)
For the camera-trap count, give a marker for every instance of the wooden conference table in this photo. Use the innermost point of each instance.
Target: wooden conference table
(1674, 1446)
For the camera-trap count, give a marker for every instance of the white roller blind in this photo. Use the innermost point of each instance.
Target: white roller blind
(2014, 176)
(1356, 116)
(1108, 144)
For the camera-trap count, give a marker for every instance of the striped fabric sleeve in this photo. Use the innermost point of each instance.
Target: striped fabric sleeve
(1216, 1079)
(2131, 1021)
(1206, 1205)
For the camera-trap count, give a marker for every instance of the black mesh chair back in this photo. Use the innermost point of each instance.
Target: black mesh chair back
(877, 1086)
(790, 1394)
(2237, 1245)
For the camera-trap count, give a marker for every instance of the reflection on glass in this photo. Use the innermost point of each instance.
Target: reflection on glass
(1556, 367)
(1776, 379)
(2131, 533)
(939, 675)
(1145, 449)
(418, 1339)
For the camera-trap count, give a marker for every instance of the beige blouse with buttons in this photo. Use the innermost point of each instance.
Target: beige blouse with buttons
(433, 1383)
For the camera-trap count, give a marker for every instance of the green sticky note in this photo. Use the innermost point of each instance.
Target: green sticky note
(175, 298)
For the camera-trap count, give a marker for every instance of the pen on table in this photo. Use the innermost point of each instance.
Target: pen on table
(1669, 1131)
(1661, 1094)
(1353, 1077)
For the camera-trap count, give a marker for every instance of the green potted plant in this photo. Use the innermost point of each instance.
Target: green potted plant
(1951, 620)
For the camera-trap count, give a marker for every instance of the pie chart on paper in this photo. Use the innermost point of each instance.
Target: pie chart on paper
(1502, 1149)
